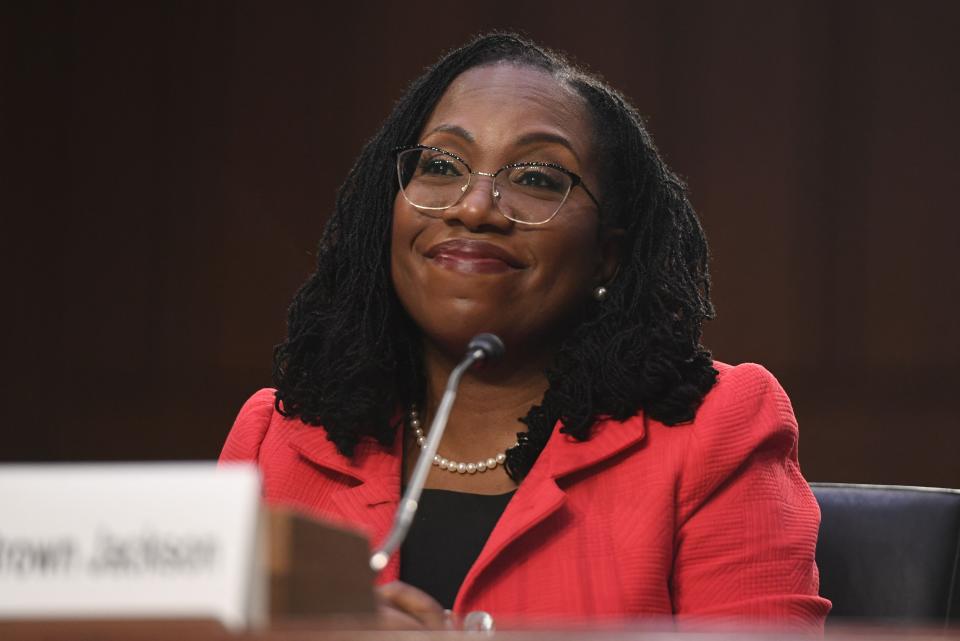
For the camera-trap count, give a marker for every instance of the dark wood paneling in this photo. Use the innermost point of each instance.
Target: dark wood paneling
(167, 168)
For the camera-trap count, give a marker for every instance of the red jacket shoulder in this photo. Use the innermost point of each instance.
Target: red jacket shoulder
(250, 428)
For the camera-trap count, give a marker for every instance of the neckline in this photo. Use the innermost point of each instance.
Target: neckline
(455, 493)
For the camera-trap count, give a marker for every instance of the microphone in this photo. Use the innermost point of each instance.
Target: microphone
(481, 348)
(489, 345)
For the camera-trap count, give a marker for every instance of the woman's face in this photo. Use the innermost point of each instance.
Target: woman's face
(467, 269)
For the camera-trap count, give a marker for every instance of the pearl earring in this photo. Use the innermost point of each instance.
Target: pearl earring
(600, 293)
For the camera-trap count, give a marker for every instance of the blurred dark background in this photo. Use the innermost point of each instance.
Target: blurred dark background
(167, 168)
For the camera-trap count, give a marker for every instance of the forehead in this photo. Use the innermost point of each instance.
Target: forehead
(498, 104)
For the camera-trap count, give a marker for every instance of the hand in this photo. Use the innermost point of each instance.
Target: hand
(401, 606)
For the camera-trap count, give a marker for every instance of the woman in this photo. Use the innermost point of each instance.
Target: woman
(605, 467)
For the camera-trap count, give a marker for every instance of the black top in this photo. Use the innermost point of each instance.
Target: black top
(445, 538)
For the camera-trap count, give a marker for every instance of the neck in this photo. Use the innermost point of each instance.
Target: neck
(490, 400)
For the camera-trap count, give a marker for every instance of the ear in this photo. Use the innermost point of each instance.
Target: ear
(611, 251)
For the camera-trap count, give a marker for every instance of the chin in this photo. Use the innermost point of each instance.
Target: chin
(455, 322)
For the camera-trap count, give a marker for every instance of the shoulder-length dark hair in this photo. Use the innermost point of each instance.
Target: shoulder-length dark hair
(352, 355)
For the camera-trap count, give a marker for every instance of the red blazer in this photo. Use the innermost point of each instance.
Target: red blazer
(707, 520)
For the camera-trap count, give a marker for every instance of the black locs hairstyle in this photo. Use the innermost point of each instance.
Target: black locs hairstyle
(352, 355)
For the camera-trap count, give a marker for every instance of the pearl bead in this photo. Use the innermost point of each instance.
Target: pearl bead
(445, 463)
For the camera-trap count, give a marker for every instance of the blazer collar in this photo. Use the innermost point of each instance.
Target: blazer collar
(565, 455)
(373, 467)
(539, 495)
(374, 472)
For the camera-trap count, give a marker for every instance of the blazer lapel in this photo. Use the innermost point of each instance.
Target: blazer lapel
(370, 491)
(539, 496)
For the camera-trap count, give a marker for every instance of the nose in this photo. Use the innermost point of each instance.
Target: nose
(477, 208)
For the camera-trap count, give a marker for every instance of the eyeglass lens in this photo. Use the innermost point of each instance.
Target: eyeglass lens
(435, 180)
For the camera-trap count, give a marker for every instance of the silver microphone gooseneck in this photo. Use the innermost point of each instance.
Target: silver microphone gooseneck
(482, 347)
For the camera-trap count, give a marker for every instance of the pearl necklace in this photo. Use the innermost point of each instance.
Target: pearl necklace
(447, 464)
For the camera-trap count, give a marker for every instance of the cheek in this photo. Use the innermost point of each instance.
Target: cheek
(570, 260)
(406, 226)
(403, 231)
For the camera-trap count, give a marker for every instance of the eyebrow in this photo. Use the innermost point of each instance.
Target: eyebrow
(543, 136)
(455, 130)
(526, 139)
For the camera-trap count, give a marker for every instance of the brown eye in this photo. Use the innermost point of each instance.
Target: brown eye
(439, 166)
(545, 179)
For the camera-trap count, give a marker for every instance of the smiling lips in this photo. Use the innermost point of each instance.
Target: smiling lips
(473, 257)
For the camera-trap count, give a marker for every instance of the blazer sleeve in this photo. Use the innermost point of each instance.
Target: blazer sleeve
(747, 520)
(249, 429)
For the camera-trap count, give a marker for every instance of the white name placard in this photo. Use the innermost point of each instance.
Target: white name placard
(171, 540)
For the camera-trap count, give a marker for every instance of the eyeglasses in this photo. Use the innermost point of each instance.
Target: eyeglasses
(525, 192)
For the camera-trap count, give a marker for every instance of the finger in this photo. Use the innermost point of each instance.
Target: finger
(414, 602)
(390, 618)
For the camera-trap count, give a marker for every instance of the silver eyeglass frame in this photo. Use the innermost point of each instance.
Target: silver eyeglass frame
(575, 180)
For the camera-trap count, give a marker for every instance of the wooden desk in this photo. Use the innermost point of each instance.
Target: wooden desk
(358, 630)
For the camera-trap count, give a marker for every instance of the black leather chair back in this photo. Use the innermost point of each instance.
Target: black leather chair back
(890, 552)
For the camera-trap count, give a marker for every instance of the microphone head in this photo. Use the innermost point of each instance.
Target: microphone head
(490, 344)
